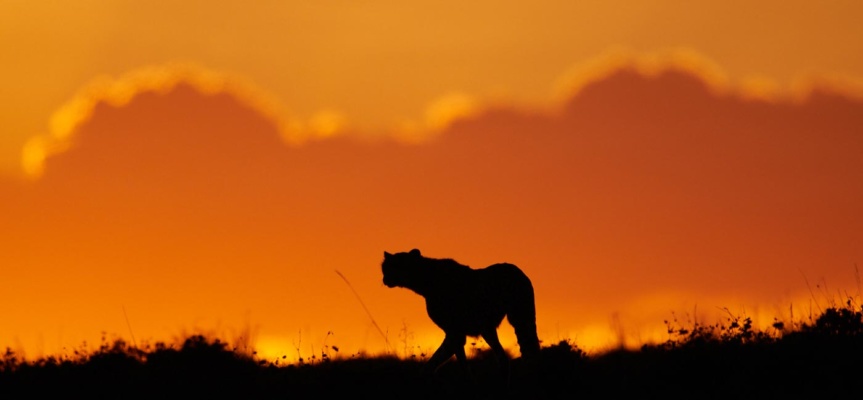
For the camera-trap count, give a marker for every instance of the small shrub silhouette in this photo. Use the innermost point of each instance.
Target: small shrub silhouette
(838, 322)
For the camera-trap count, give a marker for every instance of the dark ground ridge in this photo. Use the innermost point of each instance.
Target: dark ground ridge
(822, 359)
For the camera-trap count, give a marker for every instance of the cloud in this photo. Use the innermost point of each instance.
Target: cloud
(620, 58)
(161, 79)
(438, 115)
(185, 203)
(693, 63)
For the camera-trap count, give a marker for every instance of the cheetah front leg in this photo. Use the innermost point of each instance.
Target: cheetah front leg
(453, 344)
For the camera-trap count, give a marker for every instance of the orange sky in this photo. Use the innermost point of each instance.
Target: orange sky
(182, 168)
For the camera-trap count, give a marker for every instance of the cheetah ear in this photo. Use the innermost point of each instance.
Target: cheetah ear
(415, 253)
(387, 255)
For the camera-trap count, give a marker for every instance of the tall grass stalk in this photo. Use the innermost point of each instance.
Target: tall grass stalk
(357, 295)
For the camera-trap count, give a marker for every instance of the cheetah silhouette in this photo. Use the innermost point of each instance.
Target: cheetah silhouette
(463, 302)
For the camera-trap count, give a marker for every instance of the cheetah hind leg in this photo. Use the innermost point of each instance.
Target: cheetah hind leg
(500, 354)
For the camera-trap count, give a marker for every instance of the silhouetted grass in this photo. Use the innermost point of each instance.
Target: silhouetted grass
(822, 358)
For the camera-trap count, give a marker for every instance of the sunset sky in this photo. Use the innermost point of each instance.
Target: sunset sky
(174, 167)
